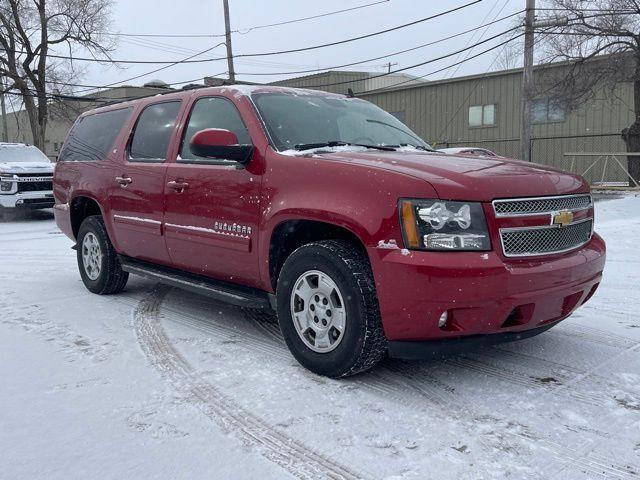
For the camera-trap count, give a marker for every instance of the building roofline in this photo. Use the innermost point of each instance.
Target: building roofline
(475, 76)
(365, 76)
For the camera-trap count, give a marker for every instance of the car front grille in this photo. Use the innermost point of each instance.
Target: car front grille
(35, 186)
(544, 240)
(535, 206)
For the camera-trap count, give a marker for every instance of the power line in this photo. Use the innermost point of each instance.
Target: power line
(361, 37)
(190, 58)
(452, 74)
(244, 31)
(413, 79)
(607, 10)
(432, 60)
(263, 54)
(333, 67)
(157, 69)
(90, 87)
(399, 52)
(287, 22)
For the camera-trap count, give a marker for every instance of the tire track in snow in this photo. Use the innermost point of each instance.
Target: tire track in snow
(410, 385)
(478, 362)
(414, 379)
(594, 335)
(288, 453)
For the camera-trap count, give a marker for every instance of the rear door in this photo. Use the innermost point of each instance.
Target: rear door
(212, 206)
(137, 187)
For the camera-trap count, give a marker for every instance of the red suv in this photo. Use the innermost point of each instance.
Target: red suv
(331, 212)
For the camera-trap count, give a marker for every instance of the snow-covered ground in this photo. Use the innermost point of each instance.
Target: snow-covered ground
(157, 383)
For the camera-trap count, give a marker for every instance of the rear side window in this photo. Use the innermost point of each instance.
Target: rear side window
(93, 136)
(214, 112)
(153, 132)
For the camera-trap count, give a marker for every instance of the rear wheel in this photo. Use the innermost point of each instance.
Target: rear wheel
(328, 310)
(98, 262)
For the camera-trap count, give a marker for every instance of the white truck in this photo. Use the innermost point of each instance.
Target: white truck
(26, 176)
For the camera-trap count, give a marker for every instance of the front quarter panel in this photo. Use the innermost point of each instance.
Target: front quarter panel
(361, 199)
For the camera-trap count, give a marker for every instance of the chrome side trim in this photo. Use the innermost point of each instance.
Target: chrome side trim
(525, 199)
(137, 219)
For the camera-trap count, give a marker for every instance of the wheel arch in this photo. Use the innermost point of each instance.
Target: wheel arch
(290, 233)
(81, 207)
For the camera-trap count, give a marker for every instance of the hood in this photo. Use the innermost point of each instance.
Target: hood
(26, 167)
(468, 178)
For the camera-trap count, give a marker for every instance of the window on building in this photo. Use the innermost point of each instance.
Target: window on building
(482, 115)
(153, 132)
(400, 115)
(545, 110)
(212, 112)
(92, 136)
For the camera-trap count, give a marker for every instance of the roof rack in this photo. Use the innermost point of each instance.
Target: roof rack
(190, 86)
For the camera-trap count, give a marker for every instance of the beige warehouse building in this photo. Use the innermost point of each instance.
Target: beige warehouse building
(475, 110)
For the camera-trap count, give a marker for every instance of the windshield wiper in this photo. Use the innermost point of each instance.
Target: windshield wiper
(336, 143)
(379, 122)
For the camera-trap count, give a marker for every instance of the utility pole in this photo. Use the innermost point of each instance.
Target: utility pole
(3, 111)
(527, 81)
(530, 24)
(227, 31)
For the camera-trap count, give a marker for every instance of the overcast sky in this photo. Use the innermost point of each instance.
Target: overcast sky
(206, 17)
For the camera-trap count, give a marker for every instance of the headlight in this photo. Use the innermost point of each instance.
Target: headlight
(442, 225)
(5, 184)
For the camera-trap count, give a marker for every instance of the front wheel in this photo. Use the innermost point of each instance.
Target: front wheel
(98, 262)
(328, 309)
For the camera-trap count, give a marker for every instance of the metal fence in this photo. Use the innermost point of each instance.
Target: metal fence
(554, 151)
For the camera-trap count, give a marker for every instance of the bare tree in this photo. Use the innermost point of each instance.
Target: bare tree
(30, 32)
(601, 48)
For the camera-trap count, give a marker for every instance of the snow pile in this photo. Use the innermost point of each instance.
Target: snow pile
(161, 383)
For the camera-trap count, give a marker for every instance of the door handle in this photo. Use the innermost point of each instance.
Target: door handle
(178, 186)
(124, 181)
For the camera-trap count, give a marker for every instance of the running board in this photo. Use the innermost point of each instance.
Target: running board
(224, 291)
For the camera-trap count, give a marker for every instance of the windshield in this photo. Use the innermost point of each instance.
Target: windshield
(21, 154)
(297, 121)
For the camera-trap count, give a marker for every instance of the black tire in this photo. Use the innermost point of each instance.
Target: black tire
(363, 344)
(111, 279)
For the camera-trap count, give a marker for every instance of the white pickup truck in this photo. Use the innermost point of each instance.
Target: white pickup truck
(25, 177)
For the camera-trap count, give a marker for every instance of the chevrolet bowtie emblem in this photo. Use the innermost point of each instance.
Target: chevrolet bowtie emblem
(562, 219)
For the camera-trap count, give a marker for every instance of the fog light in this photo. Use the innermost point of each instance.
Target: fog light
(19, 202)
(442, 321)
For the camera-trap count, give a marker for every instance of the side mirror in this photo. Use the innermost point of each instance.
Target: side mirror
(221, 144)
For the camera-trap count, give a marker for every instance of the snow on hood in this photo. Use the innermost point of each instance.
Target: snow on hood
(459, 177)
(26, 167)
(337, 149)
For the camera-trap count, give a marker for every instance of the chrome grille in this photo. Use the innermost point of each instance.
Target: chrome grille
(535, 206)
(521, 242)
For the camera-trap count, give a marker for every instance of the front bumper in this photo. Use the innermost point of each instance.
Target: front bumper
(483, 293)
(436, 349)
(43, 199)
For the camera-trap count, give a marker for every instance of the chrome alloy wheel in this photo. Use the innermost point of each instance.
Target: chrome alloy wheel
(91, 256)
(318, 311)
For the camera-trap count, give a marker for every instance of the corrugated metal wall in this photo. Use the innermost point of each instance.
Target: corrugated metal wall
(439, 112)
